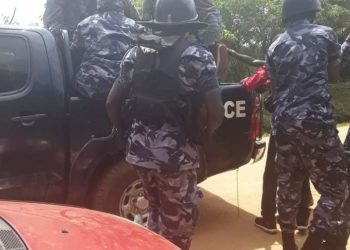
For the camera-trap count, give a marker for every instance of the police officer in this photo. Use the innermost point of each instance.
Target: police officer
(163, 154)
(66, 14)
(339, 241)
(62, 14)
(99, 44)
(346, 67)
(207, 13)
(267, 221)
(300, 63)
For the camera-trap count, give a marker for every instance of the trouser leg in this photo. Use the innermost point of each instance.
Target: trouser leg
(340, 240)
(328, 172)
(173, 204)
(305, 203)
(268, 200)
(318, 150)
(179, 198)
(150, 186)
(331, 212)
(290, 178)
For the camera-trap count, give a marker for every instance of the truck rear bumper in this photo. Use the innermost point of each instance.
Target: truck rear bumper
(258, 150)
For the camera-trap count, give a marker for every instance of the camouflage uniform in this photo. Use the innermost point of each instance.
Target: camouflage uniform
(306, 135)
(66, 14)
(173, 198)
(99, 45)
(345, 49)
(165, 159)
(346, 66)
(206, 13)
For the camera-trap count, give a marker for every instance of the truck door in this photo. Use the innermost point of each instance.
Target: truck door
(231, 146)
(31, 120)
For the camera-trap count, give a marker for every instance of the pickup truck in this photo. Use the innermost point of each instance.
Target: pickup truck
(56, 146)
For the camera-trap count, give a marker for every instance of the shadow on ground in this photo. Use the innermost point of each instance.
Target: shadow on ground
(222, 226)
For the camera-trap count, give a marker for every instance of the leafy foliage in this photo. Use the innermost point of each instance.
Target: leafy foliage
(5, 19)
(249, 27)
(252, 25)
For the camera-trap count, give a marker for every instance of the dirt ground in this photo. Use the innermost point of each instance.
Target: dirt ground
(224, 226)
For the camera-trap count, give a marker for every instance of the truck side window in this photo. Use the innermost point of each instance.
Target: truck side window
(14, 63)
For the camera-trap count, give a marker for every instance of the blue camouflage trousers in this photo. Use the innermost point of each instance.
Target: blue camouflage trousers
(173, 198)
(311, 150)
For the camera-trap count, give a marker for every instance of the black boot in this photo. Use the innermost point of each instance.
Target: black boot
(314, 240)
(288, 241)
(336, 242)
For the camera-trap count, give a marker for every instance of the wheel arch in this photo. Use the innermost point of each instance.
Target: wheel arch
(90, 164)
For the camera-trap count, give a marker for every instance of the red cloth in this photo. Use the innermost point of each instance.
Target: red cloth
(259, 78)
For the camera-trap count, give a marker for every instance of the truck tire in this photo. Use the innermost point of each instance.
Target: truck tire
(119, 191)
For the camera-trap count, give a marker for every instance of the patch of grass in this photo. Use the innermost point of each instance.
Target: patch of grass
(340, 100)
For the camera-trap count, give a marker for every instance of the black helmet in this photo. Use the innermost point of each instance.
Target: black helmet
(106, 5)
(175, 16)
(292, 8)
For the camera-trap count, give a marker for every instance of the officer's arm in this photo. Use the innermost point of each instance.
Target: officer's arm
(201, 66)
(120, 89)
(334, 57)
(245, 58)
(334, 71)
(214, 109)
(114, 102)
(77, 49)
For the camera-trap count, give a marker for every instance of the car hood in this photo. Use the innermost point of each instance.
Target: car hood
(43, 226)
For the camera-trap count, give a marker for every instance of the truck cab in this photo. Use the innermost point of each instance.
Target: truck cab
(58, 147)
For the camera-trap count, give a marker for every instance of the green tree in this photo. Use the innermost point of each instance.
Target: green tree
(9, 19)
(336, 16)
(252, 25)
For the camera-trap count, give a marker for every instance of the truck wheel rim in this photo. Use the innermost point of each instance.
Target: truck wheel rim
(133, 204)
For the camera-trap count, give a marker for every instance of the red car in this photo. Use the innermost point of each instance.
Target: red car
(46, 227)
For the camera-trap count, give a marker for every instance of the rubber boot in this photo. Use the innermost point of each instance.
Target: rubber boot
(314, 240)
(288, 241)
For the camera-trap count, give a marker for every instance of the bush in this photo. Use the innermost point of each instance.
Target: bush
(252, 25)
